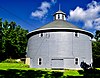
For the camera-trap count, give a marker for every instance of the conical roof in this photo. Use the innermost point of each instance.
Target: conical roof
(59, 24)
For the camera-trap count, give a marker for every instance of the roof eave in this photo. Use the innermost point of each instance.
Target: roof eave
(72, 29)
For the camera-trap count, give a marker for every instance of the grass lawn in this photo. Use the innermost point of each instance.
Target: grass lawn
(6, 66)
(20, 66)
(72, 73)
(22, 70)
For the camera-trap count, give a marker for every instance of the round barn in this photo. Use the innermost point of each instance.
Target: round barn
(59, 45)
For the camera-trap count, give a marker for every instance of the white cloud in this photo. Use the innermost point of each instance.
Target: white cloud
(90, 17)
(96, 23)
(76, 15)
(43, 9)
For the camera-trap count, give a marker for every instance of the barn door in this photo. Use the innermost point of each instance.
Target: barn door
(57, 63)
(69, 63)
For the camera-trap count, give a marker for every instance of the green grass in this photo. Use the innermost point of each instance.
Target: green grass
(24, 70)
(12, 65)
(72, 73)
(98, 68)
(20, 66)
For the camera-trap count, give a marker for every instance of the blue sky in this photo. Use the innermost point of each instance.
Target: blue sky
(32, 14)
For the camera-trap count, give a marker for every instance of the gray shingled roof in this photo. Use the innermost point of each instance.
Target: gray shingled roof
(59, 24)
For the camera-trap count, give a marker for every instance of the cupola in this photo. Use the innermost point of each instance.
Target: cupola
(59, 15)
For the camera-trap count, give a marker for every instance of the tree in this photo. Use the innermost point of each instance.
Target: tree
(96, 50)
(14, 41)
(97, 36)
(0, 37)
(0, 33)
(96, 53)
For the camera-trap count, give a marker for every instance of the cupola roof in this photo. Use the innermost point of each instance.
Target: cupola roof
(59, 12)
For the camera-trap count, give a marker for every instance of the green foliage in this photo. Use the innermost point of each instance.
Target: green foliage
(96, 49)
(14, 41)
(92, 73)
(0, 35)
(96, 53)
(97, 36)
(11, 61)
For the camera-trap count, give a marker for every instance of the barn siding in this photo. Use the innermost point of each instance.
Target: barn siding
(59, 45)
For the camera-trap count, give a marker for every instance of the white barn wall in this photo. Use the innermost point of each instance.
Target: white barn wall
(59, 45)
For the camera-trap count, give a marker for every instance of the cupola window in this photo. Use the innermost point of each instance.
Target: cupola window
(62, 16)
(58, 16)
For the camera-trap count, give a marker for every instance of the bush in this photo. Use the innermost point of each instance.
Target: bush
(11, 61)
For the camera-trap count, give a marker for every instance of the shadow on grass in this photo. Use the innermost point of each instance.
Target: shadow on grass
(89, 73)
(94, 73)
(16, 73)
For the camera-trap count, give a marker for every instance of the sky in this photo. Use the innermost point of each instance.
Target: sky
(32, 14)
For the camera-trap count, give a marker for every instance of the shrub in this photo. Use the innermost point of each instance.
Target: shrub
(11, 61)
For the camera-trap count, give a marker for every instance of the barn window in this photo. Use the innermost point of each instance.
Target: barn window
(41, 35)
(39, 61)
(76, 34)
(76, 61)
(47, 35)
